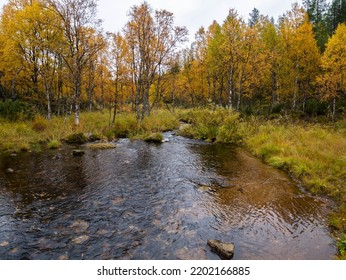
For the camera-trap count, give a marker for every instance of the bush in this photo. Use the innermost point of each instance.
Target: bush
(11, 110)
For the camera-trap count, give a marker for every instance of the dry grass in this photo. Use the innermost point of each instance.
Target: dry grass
(314, 154)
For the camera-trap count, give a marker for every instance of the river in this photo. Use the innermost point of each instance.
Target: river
(156, 201)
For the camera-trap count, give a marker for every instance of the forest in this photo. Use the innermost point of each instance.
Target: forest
(274, 86)
(56, 60)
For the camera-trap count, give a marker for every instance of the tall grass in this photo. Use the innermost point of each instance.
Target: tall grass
(17, 136)
(314, 154)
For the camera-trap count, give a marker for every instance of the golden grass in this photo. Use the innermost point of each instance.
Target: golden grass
(314, 154)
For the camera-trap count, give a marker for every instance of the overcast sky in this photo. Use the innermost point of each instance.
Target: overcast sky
(190, 13)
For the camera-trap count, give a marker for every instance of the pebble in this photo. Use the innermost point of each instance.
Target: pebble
(81, 239)
(4, 244)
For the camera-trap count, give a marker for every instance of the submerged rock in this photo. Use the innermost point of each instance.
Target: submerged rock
(78, 153)
(4, 244)
(224, 250)
(79, 226)
(9, 170)
(80, 239)
(57, 156)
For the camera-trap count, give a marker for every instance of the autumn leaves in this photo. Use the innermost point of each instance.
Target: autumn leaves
(55, 56)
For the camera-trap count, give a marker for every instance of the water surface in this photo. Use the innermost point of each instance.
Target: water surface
(148, 201)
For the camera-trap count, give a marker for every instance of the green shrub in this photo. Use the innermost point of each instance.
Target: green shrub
(11, 110)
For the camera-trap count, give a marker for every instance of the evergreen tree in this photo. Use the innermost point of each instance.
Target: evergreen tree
(317, 12)
(254, 17)
(336, 14)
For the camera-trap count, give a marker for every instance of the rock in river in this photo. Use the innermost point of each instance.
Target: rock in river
(80, 239)
(224, 250)
(77, 153)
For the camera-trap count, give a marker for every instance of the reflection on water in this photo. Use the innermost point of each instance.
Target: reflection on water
(145, 201)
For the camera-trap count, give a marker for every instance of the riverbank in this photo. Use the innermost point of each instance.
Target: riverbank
(31, 135)
(312, 153)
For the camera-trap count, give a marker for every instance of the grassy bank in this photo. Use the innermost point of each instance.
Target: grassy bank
(313, 153)
(29, 135)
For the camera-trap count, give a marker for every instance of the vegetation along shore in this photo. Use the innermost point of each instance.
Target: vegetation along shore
(275, 87)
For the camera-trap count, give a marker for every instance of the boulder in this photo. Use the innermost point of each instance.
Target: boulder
(224, 250)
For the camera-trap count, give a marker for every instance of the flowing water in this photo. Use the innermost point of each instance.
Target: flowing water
(149, 201)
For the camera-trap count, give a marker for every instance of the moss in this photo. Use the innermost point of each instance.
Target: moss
(155, 138)
(101, 146)
(76, 138)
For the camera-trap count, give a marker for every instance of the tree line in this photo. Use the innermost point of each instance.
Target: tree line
(55, 57)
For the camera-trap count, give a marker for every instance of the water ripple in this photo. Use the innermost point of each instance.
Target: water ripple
(143, 201)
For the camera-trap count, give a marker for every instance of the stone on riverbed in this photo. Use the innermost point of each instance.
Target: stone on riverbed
(80, 239)
(224, 250)
(78, 153)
